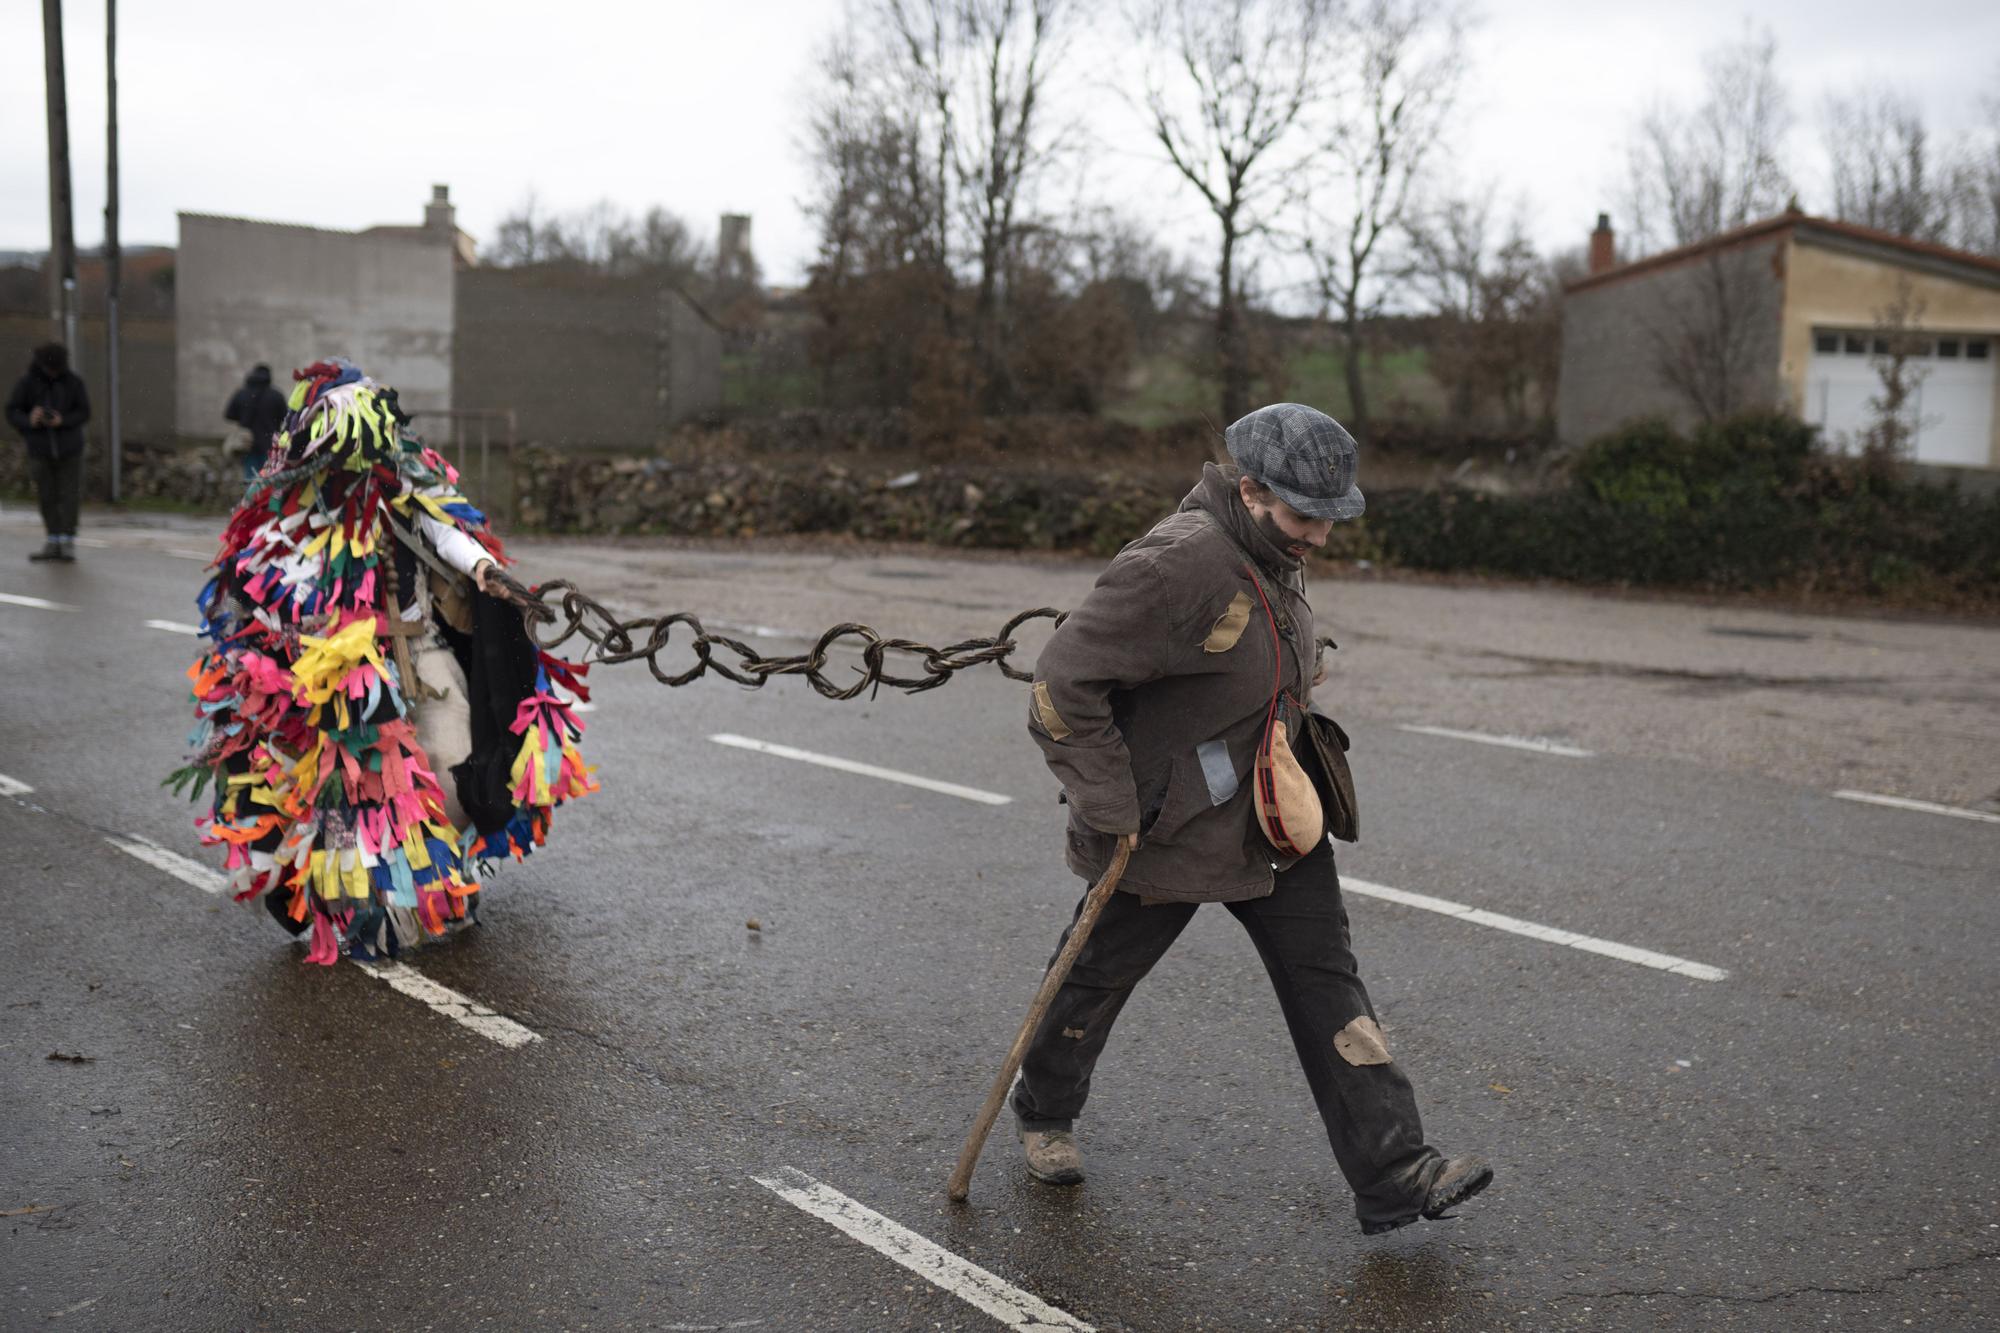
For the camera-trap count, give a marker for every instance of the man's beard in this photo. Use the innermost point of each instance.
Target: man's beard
(1286, 543)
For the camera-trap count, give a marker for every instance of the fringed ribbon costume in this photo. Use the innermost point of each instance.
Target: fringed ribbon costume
(352, 784)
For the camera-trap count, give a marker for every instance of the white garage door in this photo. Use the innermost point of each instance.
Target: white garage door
(1951, 411)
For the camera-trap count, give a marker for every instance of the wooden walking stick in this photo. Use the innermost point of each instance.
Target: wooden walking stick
(968, 1156)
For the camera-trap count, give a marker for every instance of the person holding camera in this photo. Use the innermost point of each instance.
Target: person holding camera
(49, 406)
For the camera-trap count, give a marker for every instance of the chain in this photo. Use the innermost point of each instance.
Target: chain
(613, 640)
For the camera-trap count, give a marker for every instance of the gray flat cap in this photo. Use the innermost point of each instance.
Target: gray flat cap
(1301, 453)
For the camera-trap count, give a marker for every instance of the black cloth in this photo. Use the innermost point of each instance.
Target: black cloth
(63, 394)
(1301, 932)
(259, 409)
(500, 663)
(59, 487)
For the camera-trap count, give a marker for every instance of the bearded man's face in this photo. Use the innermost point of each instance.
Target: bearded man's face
(1290, 531)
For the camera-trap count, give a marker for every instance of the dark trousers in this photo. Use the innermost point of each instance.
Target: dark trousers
(1300, 930)
(59, 486)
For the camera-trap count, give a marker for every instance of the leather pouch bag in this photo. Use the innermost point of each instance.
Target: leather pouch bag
(1322, 736)
(1288, 809)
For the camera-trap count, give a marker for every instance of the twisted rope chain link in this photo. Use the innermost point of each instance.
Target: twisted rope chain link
(559, 611)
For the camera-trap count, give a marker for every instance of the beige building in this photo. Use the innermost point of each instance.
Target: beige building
(1792, 312)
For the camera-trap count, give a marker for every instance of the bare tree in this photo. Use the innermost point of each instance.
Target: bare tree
(1225, 87)
(1898, 341)
(1495, 327)
(1380, 136)
(978, 76)
(601, 238)
(519, 240)
(1886, 172)
(1975, 184)
(1704, 328)
(1694, 173)
(1014, 44)
(880, 285)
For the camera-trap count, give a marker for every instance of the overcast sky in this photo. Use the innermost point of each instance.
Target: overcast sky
(346, 117)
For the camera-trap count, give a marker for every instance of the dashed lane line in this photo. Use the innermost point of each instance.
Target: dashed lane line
(1626, 953)
(439, 999)
(39, 603)
(13, 786)
(1534, 743)
(964, 1279)
(174, 627)
(495, 1027)
(177, 552)
(865, 770)
(1926, 807)
(180, 867)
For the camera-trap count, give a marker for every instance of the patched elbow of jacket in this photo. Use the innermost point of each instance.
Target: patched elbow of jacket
(1046, 715)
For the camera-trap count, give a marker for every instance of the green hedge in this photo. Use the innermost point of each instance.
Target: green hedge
(1753, 503)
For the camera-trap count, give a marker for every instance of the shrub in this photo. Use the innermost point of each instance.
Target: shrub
(1750, 503)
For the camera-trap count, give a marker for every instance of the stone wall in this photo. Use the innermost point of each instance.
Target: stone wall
(145, 372)
(199, 479)
(583, 360)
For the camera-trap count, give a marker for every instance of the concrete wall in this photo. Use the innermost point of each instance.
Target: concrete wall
(260, 291)
(583, 360)
(1617, 334)
(1840, 285)
(145, 372)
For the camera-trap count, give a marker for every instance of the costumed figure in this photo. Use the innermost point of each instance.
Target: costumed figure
(372, 714)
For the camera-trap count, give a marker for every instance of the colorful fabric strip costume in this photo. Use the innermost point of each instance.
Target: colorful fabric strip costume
(334, 644)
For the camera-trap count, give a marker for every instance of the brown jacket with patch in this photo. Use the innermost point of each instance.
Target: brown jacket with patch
(1150, 700)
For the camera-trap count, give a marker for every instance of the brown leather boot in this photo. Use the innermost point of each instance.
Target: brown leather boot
(1457, 1179)
(1053, 1157)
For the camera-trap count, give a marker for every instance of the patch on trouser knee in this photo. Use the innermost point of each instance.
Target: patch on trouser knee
(1074, 1034)
(1361, 1043)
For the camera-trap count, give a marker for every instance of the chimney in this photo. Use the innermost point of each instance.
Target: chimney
(1603, 247)
(439, 215)
(732, 246)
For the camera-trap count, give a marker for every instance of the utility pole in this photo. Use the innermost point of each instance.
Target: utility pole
(112, 257)
(62, 240)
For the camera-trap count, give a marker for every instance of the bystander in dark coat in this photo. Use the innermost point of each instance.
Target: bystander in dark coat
(260, 410)
(50, 406)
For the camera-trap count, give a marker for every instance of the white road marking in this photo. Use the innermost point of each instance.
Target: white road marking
(1534, 743)
(1927, 807)
(173, 627)
(940, 1267)
(865, 770)
(180, 867)
(13, 786)
(1664, 962)
(39, 603)
(178, 552)
(495, 1027)
(460, 1009)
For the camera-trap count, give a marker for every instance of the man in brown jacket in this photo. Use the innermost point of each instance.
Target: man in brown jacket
(1149, 704)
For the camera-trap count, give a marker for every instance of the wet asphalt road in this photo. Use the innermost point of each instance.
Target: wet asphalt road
(259, 1144)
